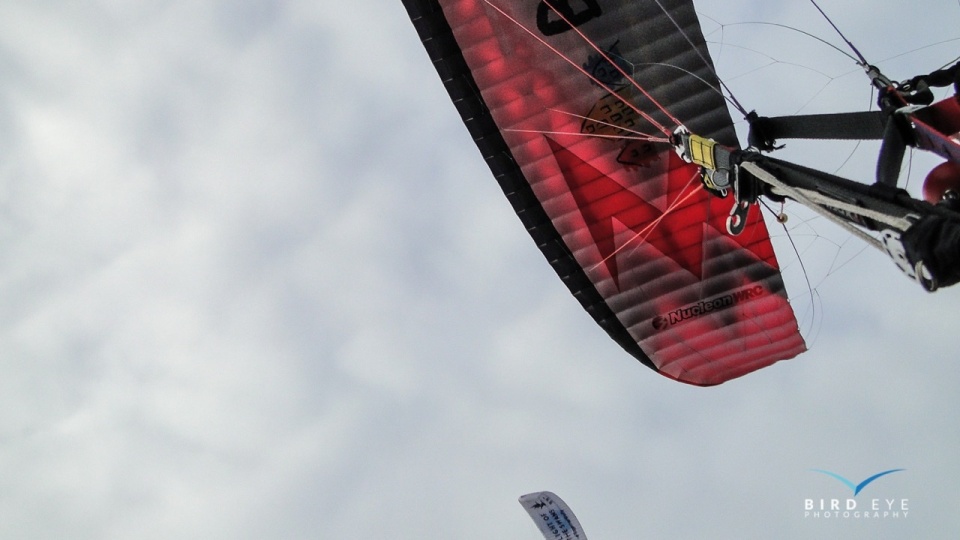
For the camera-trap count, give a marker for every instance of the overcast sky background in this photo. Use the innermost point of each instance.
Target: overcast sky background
(256, 282)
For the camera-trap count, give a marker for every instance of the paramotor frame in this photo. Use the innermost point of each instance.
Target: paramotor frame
(923, 239)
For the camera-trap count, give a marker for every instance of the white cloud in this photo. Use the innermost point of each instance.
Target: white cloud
(256, 281)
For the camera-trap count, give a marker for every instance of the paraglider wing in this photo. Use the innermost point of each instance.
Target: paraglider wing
(547, 91)
(553, 517)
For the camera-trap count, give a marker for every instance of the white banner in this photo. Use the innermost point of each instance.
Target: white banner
(552, 516)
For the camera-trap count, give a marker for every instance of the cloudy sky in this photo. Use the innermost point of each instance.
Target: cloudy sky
(256, 282)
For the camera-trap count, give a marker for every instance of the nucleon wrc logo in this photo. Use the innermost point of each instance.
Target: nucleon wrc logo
(854, 508)
(707, 306)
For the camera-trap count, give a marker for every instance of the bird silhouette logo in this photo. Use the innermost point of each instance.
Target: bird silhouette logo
(857, 488)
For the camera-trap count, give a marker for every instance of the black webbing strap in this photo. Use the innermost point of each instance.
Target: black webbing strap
(892, 150)
(857, 126)
(765, 131)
